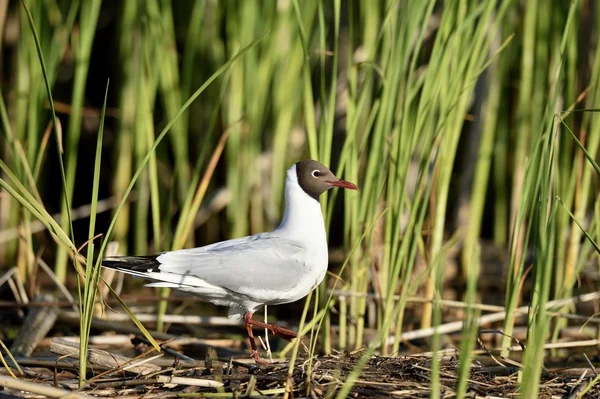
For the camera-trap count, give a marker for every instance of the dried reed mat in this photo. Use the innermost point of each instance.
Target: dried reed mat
(456, 326)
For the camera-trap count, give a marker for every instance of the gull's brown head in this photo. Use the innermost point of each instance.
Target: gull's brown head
(316, 178)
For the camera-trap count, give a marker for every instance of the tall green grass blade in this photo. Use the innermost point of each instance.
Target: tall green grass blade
(17, 150)
(587, 153)
(82, 48)
(66, 196)
(170, 90)
(130, 51)
(309, 113)
(470, 330)
(87, 296)
(578, 223)
(134, 319)
(29, 201)
(528, 189)
(544, 173)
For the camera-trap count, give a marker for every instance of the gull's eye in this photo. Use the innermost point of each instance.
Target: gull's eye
(316, 173)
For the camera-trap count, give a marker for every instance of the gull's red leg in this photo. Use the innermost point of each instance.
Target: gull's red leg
(284, 333)
(255, 355)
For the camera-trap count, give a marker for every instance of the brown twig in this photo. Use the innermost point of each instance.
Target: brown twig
(101, 358)
(41, 389)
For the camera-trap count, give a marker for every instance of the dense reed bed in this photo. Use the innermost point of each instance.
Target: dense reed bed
(471, 128)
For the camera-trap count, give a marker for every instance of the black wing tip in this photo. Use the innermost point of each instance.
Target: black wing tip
(144, 263)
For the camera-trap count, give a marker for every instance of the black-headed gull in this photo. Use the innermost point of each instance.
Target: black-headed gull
(247, 273)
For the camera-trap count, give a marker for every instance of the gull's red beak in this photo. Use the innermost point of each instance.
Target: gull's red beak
(343, 184)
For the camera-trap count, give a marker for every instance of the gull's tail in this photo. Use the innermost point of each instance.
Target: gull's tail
(141, 266)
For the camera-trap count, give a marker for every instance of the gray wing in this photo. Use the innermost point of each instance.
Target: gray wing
(260, 262)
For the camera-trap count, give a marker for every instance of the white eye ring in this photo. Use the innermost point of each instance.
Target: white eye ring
(316, 173)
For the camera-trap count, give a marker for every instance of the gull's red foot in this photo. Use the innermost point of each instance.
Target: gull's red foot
(256, 356)
(281, 332)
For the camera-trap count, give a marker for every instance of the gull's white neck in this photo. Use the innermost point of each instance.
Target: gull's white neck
(302, 219)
